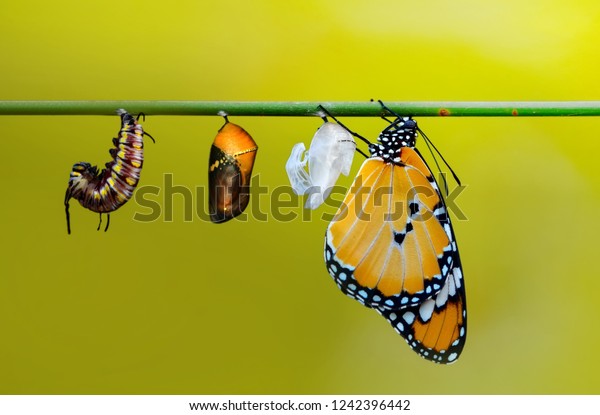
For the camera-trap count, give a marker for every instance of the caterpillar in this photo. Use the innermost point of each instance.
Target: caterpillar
(111, 188)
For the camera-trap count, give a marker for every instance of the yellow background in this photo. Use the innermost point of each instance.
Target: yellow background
(248, 307)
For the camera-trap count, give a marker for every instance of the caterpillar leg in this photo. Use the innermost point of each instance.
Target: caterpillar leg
(107, 222)
(68, 218)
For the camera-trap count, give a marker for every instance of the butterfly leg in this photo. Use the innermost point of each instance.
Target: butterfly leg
(322, 108)
(388, 109)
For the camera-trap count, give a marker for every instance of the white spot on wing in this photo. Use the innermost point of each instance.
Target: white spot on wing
(451, 287)
(439, 211)
(448, 231)
(457, 277)
(442, 296)
(409, 317)
(426, 310)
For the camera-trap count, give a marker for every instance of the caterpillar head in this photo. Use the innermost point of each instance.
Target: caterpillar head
(81, 174)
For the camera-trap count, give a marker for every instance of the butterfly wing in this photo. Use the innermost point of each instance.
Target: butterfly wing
(390, 245)
(437, 328)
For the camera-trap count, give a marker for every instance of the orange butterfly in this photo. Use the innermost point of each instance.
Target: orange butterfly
(391, 245)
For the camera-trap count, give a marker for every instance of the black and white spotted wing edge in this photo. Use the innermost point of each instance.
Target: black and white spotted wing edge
(437, 328)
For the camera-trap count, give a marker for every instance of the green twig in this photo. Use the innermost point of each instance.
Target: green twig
(271, 108)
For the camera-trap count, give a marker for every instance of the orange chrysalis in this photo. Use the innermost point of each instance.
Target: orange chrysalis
(230, 169)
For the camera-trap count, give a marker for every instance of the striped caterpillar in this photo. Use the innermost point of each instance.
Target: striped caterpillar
(106, 191)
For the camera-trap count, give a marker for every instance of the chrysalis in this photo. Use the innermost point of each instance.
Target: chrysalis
(331, 152)
(230, 169)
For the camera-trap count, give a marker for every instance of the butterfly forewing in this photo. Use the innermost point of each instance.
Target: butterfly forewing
(389, 245)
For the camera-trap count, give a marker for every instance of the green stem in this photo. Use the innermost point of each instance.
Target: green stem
(302, 109)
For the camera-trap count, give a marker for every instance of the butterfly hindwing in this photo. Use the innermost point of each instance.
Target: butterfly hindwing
(435, 329)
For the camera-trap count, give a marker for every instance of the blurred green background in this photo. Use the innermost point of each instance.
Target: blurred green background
(248, 307)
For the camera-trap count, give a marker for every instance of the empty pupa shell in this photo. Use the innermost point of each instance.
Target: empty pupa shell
(230, 169)
(330, 154)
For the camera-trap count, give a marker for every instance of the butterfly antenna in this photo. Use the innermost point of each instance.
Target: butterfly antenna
(437, 165)
(428, 141)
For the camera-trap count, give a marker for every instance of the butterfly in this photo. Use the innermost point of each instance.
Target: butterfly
(391, 245)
